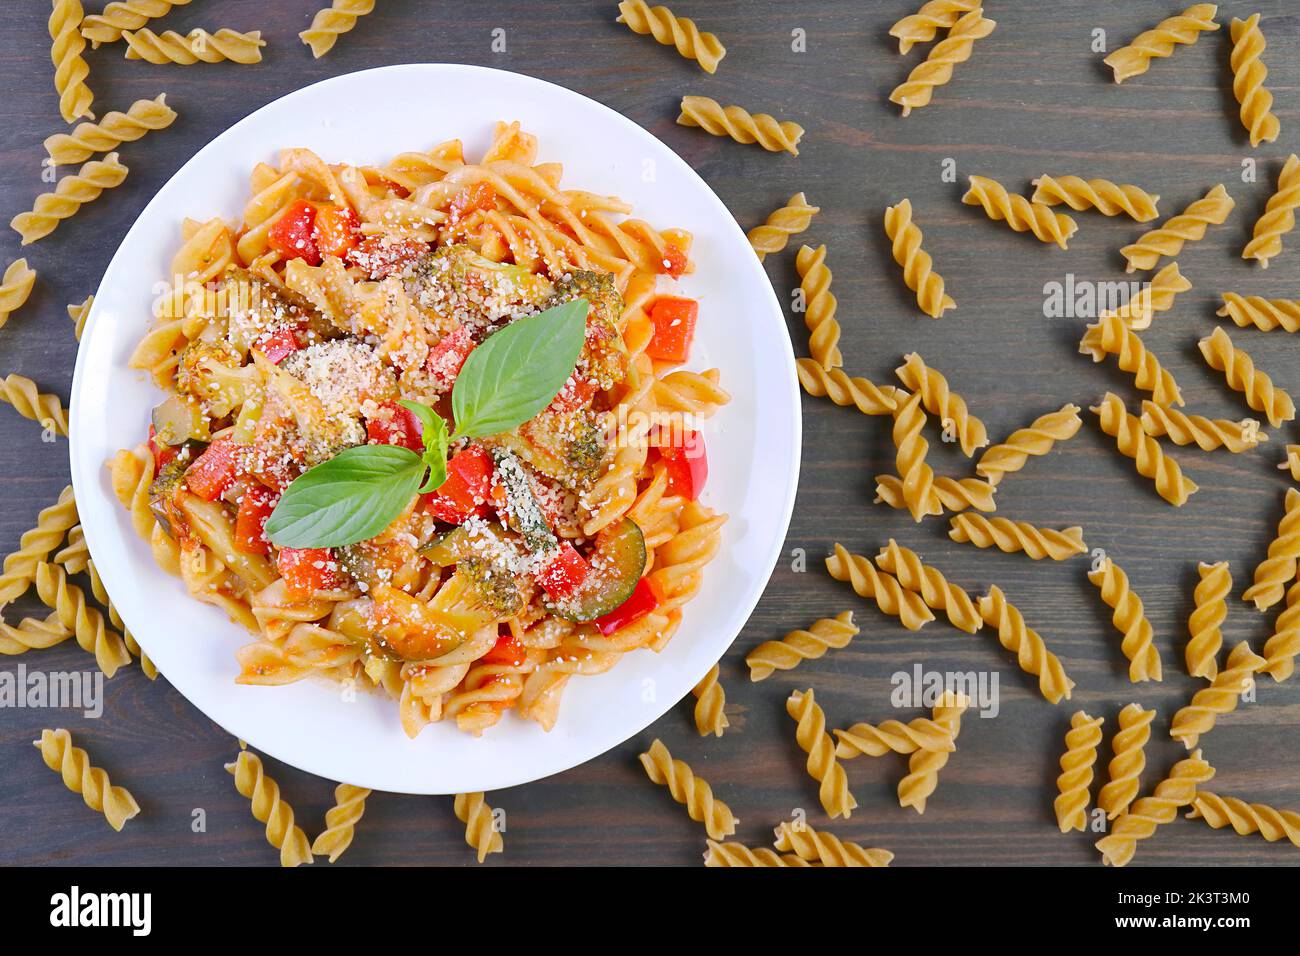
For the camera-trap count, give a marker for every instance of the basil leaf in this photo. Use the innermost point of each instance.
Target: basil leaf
(516, 372)
(352, 497)
(434, 433)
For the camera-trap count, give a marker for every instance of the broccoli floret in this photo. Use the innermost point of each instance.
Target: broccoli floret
(456, 280)
(214, 373)
(604, 355)
(569, 447)
(492, 589)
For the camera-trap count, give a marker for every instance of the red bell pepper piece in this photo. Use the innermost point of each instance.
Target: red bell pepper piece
(674, 261)
(307, 570)
(162, 454)
(214, 470)
(686, 465)
(337, 230)
(382, 257)
(468, 488)
(279, 345)
(574, 394)
(639, 603)
(481, 195)
(292, 235)
(254, 508)
(674, 328)
(447, 357)
(507, 651)
(395, 424)
(564, 573)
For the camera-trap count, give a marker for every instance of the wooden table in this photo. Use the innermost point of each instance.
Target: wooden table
(1033, 98)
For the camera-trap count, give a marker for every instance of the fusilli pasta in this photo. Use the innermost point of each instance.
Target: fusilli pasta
(1012, 536)
(71, 193)
(36, 545)
(1161, 41)
(710, 705)
(923, 766)
(954, 494)
(1108, 198)
(1248, 75)
(341, 821)
(688, 789)
(1018, 212)
(111, 132)
(935, 590)
(1140, 822)
(1207, 433)
(790, 220)
(819, 306)
(15, 287)
(939, 400)
(1168, 239)
(1255, 311)
(264, 793)
(925, 24)
(78, 314)
(1081, 743)
(880, 586)
(70, 69)
(732, 854)
(822, 766)
(801, 645)
(1023, 641)
(196, 46)
(1038, 439)
(1124, 772)
(936, 70)
(1221, 697)
(843, 389)
(1278, 218)
(873, 740)
(1283, 645)
(1110, 336)
(1130, 620)
(910, 450)
(46, 410)
(80, 776)
(480, 829)
(1205, 623)
(122, 15)
(338, 18)
(741, 125)
(1242, 376)
(1148, 456)
(87, 624)
(1246, 818)
(31, 634)
(1158, 296)
(918, 267)
(671, 30)
(826, 848)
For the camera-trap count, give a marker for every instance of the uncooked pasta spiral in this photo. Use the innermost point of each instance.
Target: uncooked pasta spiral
(671, 30)
(828, 633)
(1081, 743)
(1130, 619)
(339, 17)
(1108, 198)
(1205, 623)
(688, 789)
(811, 735)
(480, 831)
(819, 306)
(939, 400)
(732, 854)
(910, 450)
(936, 591)
(818, 846)
(1140, 822)
(86, 623)
(1158, 296)
(880, 586)
(1188, 226)
(35, 546)
(1255, 311)
(954, 494)
(1292, 462)
(71, 193)
(112, 131)
(1148, 456)
(1283, 645)
(1239, 370)
(79, 313)
(31, 634)
(264, 793)
(1248, 75)
(925, 24)
(936, 70)
(790, 220)
(1110, 336)
(122, 15)
(1013, 536)
(923, 766)
(1018, 212)
(115, 803)
(873, 740)
(70, 69)
(740, 124)
(196, 46)
(1278, 218)
(1124, 772)
(21, 392)
(710, 705)
(1038, 439)
(844, 389)
(918, 267)
(1246, 818)
(15, 287)
(1023, 641)
(1221, 697)
(1161, 40)
(1207, 433)
(341, 821)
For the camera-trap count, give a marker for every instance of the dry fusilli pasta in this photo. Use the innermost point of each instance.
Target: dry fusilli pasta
(264, 793)
(15, 287)
(31, 634)
(923, 766)
(1108, 198)
(1205, 623)
(710, 705)
(822, 766)
(826, 848)
(1036, 440)
(1248, 75)
(480, 828)
(935, 590)
(1130, 620)
(122, 15)
(918, 267)
(1012, 536)
(1241, 375)
(1081, 743)
(1124, 772)
(1246, 818)
(1188, 226)
(819, 306)
(1221, 697)
(1148, 456)
(341, 821)
(688, 789)
(112, 131)
(338, 18)
(1140, 822)
(1111, 336)
(1208, 433)
(80, 776)
(196, 46)
(1283, 645)
(882, 587)
(21, 392)
(741, 125)
(86, 623)
(844, 389)
(954, 494)
(1255, 311)
(1023, 641)
(35, 546)
(672, 30)
(1278, 218)
(1018, 212)
(910, 450)
(801, 645)
(1161, 41)
(873, 740)
(790, 220)
(936, 70)
(925, 24)
(79, 313)
(732, 854)
(1157, 296)
(70, 69)
(71, 193)
(939, 400)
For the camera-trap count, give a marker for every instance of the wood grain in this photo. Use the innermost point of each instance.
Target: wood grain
(1033, 98)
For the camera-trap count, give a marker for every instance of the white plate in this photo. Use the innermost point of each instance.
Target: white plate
(753, 443)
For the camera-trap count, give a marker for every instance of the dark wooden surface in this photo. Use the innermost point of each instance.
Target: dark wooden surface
(1032, 99)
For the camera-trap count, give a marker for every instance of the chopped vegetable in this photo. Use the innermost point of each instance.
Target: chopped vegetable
(563, 574)
(674, 262)
(337, 230)
(381, 256)
(447, 357)
(506, 651)
(640, 602)
(395, 424)
(617, 563)
(481, 195)
(162, 494)
(292, 235)
(468, 487)
(674, 328)
(307, 570)
(214, 470)
(254, 508)
(178, 420)
(279, 345)
(518, 505)
(686, 465)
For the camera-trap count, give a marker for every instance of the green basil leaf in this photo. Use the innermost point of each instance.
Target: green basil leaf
(434, 433)
(516, 372)
(352, 497)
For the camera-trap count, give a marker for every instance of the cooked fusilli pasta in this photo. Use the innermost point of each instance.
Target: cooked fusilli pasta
(264, 793)
(918, 267)
(1130, 620)
(1081, 743)
(1208, 433)
(818, 846)
(1248, 75)
(1018, 212)
(80, 776)
(36, 545)
(1211, 600)
(880, 586)
(1246, 818)
(15, 287)
(819, 306)
(671, 30)
(1036, 440)
(480, 828)
(1255, 311)
(936, 70)
(801, 645)
(1140, 822)
(70, 69)
(790, 220)
(1278, 218)
(843, 389)
(822, 765)
(196, 46)
(111, 132)
(935, 590)
(1108, 198)
(1188, 226)
(1124, 772)
(71, 193)
(1023, 641)
(122, 15)
(1012, 536)
(688, 789)
(710, 705)
(1147, 455)
(338, 18)
(1161, 40)
(341, 821)
(923, 766)
(1235, 678)
(925, 24)
(741, 125)
(1242, 376)
(1110, 336)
